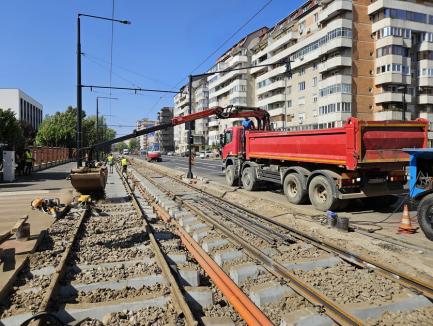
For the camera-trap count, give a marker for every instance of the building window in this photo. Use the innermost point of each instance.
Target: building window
(314, 65)
(289, 90)
(316, 17)
(301, 86)
(289, 103)
(314, 81)
(21, 109)
(302, 71)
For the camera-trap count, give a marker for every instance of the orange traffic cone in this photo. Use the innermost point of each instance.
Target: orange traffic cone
(405, 224)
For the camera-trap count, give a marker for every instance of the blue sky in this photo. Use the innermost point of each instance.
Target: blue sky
(165, 41)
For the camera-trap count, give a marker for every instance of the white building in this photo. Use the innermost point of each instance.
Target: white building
(234, 87)
(149, 139)
(200, 100)
(25, 107)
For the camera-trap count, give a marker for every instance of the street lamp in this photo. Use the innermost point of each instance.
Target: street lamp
(79, 85)
(404, 89)
(97, 119)
(191, 78)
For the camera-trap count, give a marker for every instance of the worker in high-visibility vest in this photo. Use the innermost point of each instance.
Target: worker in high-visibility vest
(28, 155)
(110, 162)
(124, 164)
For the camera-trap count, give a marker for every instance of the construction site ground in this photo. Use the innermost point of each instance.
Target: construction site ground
(410, 252)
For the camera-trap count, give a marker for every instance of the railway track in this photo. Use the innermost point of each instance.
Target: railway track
(291, 276)
(113, 262)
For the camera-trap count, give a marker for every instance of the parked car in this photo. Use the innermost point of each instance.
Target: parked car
(208, 154)
(170, 154)
(202, 154)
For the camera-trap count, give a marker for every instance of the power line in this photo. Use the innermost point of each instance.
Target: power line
(228, 39)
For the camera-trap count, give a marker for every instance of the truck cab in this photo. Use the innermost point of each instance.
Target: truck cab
(231, 142)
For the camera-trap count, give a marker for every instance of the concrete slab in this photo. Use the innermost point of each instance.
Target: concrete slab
(209, 245)
(239, 273)
(228, 255)
(200, 296)
(270, 292)
(176, 258)
(199, 234)
(148, 280)
(191, 227)
(305, 317)
(217, 321)
(318, 262)
(189, 276)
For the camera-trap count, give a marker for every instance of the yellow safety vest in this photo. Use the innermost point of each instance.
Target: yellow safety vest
(124, 162)
(110, 159)
(29, 157)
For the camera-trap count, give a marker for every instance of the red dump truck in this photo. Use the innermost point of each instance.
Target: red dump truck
(362, 159)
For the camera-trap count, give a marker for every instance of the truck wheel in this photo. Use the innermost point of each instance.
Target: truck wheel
(294, 189)
(425, 216)
(231, 180)
(321, 194)
(249, 181)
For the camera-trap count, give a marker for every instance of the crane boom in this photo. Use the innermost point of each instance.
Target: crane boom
(262, 116)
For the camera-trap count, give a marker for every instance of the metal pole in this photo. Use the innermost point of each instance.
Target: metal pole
(404, 102)
(97, 126)
(189, 175)
(79, 94)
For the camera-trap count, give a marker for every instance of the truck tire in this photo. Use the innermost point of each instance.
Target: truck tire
(249, 180)
(322, 194)
(294, 189)
(231, 180)
(425, 216)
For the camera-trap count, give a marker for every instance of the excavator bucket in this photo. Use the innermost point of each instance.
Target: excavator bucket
(89, 180)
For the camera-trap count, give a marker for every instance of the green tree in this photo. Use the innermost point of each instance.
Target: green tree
(133, 144)
(119, 147)
(10, 132)
(60, 129)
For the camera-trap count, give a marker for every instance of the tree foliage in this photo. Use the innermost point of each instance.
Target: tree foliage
(60, 129)
(11, 133)
(119, 147)
(133, 144)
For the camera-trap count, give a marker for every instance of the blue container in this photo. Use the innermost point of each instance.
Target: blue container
(332, 218)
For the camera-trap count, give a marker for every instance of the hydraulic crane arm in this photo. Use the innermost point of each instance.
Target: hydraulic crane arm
(262, 116)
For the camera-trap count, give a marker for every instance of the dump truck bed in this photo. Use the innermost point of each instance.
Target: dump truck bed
(356, 144)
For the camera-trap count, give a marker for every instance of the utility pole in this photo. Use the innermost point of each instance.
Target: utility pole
(79, 94)
(190, 175)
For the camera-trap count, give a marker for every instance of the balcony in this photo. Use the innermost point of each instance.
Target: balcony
(277, 112)
(271, 99)
(334, 116)
(334, 62)
(333, 80)
(286, 38)
(275, 85)
(390, 115)
(425, 81)
(391, 97)
(425, 99)
(426, 46)
(237, 59)
(394, 78)
(223, 78)
(214, 123)
(334, 9)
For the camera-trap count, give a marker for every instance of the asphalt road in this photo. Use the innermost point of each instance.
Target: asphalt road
(208, 168)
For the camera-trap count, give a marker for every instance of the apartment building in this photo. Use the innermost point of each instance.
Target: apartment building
(363, 58)
(234, 87)
(403, 37)
(148, 139)
(317, 39)
(26, 108)
(200, 101)
(165, 137)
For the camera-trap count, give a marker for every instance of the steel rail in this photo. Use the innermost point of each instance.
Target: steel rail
(241, 303)
(334, 311)
(61, 267)
(179, 299)
(422, 286)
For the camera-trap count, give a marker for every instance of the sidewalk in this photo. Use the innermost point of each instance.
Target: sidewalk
(15, 197)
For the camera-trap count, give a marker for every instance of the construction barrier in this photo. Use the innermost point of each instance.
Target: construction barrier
(45, 156)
